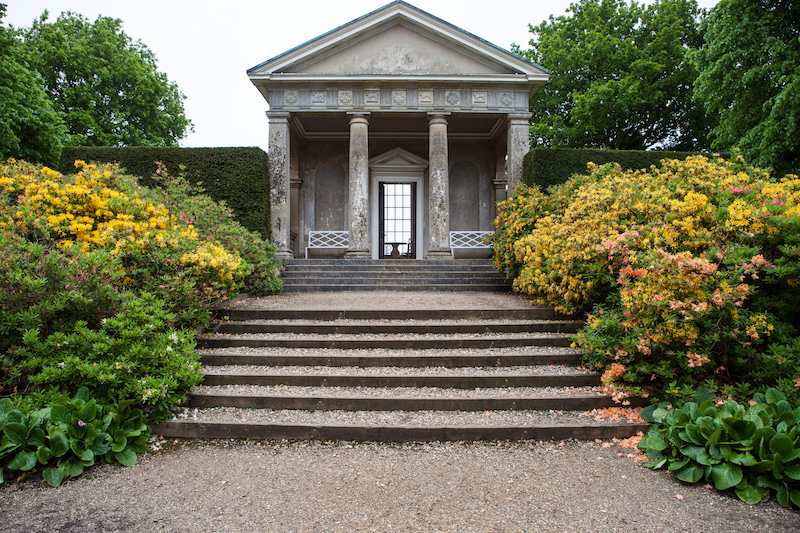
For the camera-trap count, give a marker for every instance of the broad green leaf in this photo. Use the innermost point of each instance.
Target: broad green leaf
(782, 445)
(782, 495)
(739, 429)
(16, 433)
(794, 495)
(676, 464)
(726, 475)
(714, 438)
(126, 457)
(691, 473)
(54, 476)
(59, 445)
(36, 437)
(792, 472)
(74, 469)
(694, 436)
(60, 414)
(749, 495)
(697, 453)
(646, 414)
(768, 481)
(43, 455)
(774, 396)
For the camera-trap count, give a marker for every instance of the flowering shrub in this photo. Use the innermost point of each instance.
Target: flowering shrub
(102, 287)
(693, 269)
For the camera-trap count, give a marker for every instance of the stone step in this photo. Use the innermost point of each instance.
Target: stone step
(332, 287)
(391, 266)
(313, 379)
(384, 402)
(391, 433)
(242, 315)
(413, 342)
(355, 262)
(422, 359)
(394, 277)
(255, 327)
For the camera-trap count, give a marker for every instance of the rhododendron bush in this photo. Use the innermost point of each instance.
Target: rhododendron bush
(690, 271)
(102, 285)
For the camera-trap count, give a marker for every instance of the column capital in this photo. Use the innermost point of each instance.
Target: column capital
(359, 117)
(278, 116)
(437, 117)
(519, 117)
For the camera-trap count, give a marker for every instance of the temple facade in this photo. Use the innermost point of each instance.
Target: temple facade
(393, 136)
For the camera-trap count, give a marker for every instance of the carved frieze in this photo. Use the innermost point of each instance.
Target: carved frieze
(464, 98)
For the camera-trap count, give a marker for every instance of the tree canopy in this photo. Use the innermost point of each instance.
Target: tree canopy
(750, 77)
(30, 128)
(620, 77)
(105, 85)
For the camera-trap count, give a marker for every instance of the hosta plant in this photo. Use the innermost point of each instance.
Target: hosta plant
(69, 436)
(753, 450)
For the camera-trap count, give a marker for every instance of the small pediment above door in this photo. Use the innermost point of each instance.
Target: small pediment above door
(398, 159)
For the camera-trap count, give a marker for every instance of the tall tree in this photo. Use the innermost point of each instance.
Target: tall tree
(620, 77)
(30, 128)
(107, 86)
(750, 77)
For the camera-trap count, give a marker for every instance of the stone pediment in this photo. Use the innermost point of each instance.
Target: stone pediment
(398, 41)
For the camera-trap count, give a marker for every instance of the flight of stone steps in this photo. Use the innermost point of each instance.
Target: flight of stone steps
(313, 275)
(393, 374)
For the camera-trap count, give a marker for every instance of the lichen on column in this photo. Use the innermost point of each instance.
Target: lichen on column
(279, 182)
(519, 144)
(438, 187)
(358, 199)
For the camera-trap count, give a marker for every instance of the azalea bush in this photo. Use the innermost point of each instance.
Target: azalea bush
(690, 271)
(103, 286)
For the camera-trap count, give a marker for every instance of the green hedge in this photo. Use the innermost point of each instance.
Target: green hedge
(239, 176)
(552, 166)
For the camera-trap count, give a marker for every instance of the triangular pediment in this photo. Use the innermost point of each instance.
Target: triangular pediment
(398, 158)
(398, 40)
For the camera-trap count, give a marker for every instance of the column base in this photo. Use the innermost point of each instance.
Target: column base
(440, 254)
(283, 255)
(357, 254)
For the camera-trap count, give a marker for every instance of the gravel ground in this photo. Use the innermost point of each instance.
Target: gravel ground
(233, 486)
(383, 352)
(541, 370)
(397, 418)
(383, 299)
(396, 392)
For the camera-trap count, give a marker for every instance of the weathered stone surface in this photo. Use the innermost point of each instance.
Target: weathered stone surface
(279, 182)
(359, 186)
(438, 188)
(518, 145)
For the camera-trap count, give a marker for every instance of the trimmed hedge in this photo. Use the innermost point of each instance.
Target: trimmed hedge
(553, 166)
(239, 176)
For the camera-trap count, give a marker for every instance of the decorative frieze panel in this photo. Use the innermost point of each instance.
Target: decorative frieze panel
(391, 98)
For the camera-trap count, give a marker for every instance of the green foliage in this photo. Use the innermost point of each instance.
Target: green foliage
(68, 436)
(753, 451)
(65, 324)
(237, 176)
(215, 221)
(545, 167)
(30, 128)
(620, 77)
(692, 268)
(750, 77)
(105, 85)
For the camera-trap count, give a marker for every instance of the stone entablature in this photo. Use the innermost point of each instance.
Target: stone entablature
(397, 82)
(392, 98)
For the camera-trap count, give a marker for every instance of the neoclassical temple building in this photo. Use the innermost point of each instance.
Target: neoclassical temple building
(394, 135)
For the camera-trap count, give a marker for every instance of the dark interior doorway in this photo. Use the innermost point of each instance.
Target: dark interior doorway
(398, 220)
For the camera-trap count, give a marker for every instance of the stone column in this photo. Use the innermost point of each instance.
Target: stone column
(438, 187)
(279, 177)
(358, 199)
(519, 143)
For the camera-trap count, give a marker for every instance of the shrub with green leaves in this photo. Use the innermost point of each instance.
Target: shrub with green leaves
(69, 436)
(754, 451)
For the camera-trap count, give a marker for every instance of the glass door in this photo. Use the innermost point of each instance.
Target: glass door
(397, 225)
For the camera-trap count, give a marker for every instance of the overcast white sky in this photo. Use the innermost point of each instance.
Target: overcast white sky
(207, 46)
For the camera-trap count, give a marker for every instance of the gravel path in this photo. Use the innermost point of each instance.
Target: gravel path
(232, 486)
(398, 392)
(380, 300)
